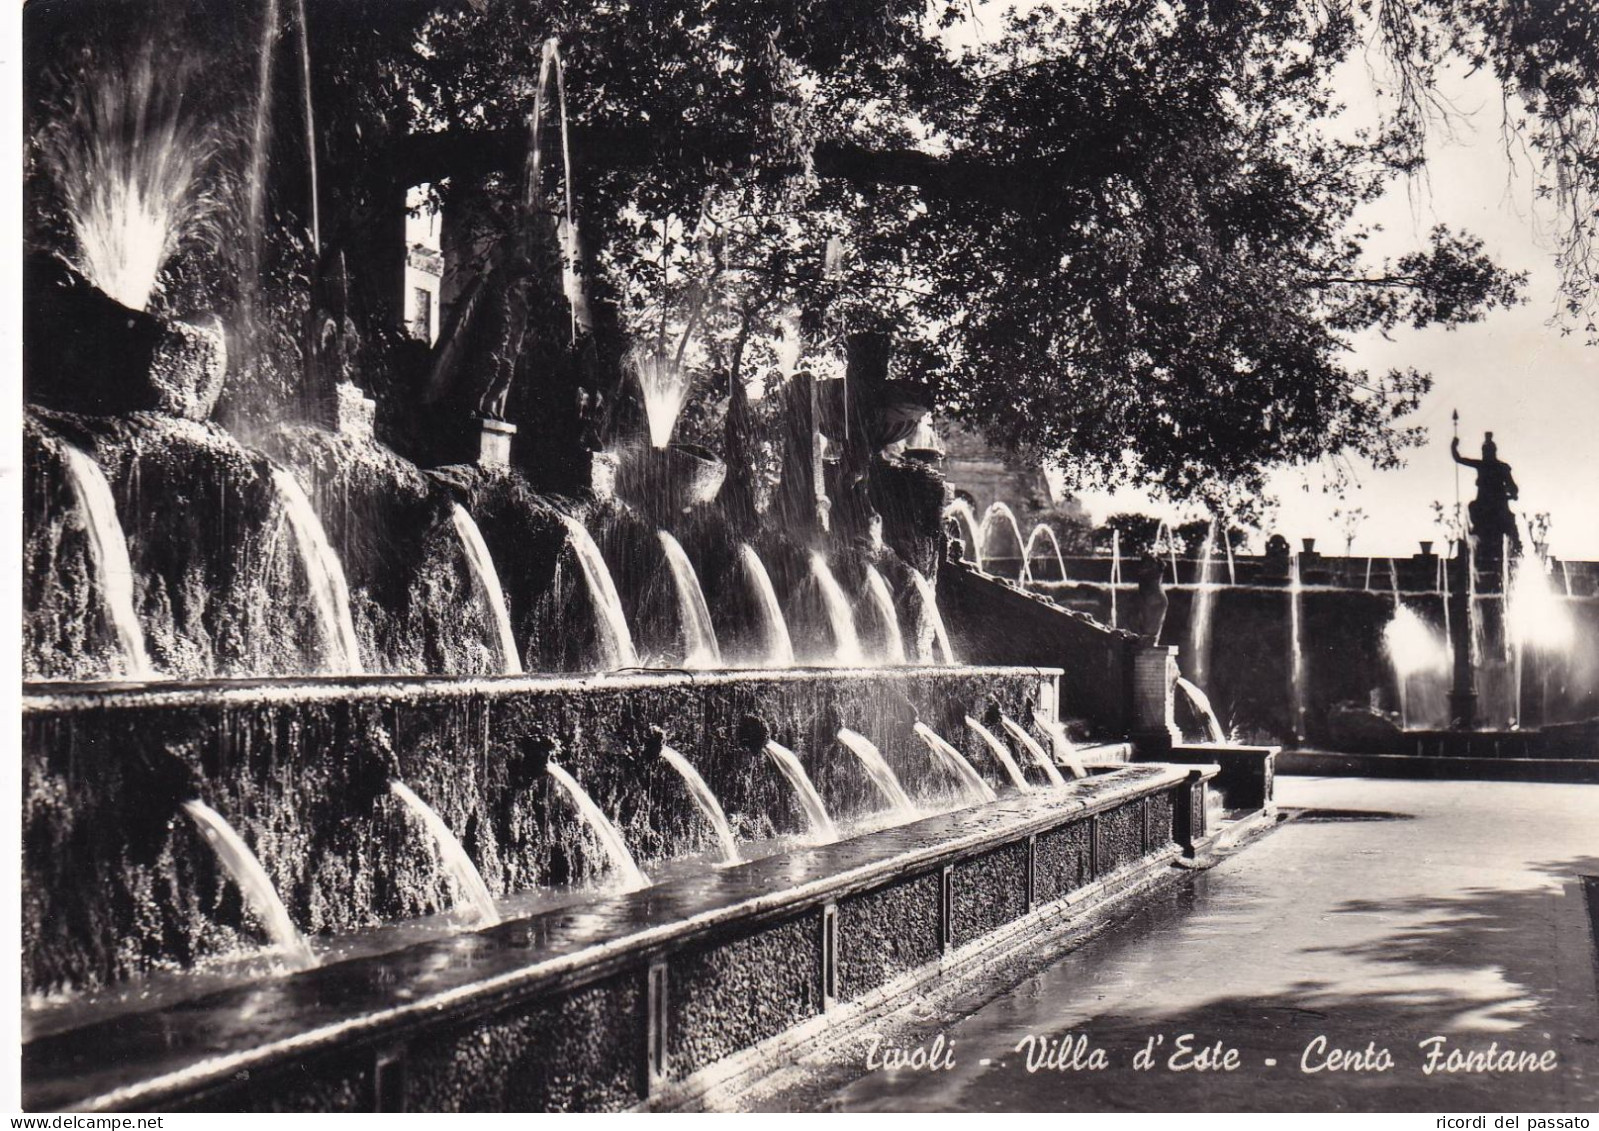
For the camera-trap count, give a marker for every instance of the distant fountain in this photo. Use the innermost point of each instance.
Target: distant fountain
(1041, 757)
(1204, 606)
(615, 639)
(1227, 541)
(924, 590)
(330, 593)
(1044, 530)
(881, 773)
(1200, 702)
(488, 586)
(1001, 754)
(1171, 552)
(1115, 571)
(129, 161)
(822, 829)
(108, 551)
(706, 800)
(774, 629)
(615, 848)
(1565, 575)
(882, 601)
(1367, 586)
(550, 64)
(254, 884)
(1536, 619)
(1002, 512)
(1415, 652)
(846, 643)
(977, 790)
(965, 519)
(1065, 751)
(699, 638)
(457, 864)
(1296, 648)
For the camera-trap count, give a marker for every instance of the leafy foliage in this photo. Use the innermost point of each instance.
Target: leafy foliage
(1119, 236)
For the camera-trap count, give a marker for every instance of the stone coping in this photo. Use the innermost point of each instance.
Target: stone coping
(1225, 748)
(66, 696)
(139, 1059)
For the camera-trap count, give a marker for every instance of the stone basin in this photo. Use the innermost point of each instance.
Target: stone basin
(646, 998)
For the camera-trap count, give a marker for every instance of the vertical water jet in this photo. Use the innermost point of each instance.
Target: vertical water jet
(310, 127)
(1204, 606)
(1115, 571)
(1296, 648)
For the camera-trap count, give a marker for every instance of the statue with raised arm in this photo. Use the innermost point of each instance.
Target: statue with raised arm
(1491, 520)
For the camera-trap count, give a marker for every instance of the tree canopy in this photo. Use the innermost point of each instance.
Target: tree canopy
(1121, 235)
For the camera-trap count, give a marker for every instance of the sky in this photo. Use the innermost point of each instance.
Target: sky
(1513, 374)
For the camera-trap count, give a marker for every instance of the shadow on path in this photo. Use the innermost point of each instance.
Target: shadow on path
(1511, 966)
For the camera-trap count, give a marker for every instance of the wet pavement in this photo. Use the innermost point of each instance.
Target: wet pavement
(1322, 968)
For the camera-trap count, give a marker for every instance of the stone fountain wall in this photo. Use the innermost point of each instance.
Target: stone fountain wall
(117, 883)
(1249, 674)
(989, 619)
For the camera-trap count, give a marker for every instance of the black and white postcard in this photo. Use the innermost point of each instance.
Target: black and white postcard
(928, 555)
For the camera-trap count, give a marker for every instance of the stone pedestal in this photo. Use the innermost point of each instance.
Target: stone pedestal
(354, 411)
(494, 445)
(1154, 715)
(602, 475)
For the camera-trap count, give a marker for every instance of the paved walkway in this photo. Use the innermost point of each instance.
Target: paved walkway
(1392, 913)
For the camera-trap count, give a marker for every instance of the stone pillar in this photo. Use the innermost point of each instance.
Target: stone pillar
(1154, 717)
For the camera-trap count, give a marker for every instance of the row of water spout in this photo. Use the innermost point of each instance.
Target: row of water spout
(330, 604)
(476, 904)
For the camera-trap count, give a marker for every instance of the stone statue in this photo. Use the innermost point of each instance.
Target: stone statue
(1152, 600)
(511, 281)
(1491, 520)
